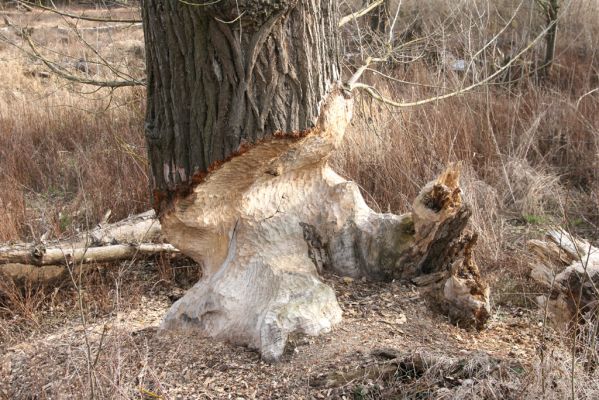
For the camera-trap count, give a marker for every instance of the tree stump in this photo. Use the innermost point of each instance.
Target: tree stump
(266, 222)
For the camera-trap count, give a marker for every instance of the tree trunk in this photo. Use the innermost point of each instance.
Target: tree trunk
(551, 8)
(244, 109)
(379, 18)
(229, 75)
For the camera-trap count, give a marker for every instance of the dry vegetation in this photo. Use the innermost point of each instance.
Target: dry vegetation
(68, 152)
(529, 148)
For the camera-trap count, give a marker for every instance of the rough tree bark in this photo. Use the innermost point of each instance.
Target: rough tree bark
(215, 87)
(244, 108)
(551, 9)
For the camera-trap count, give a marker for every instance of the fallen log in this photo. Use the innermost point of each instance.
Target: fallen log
(569, 268)
(96, 29)
(64, 255)
(139, 228)
(134, 236)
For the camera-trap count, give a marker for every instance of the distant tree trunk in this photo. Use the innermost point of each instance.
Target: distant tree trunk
(244, 109)
(379, 17)
(550, 8)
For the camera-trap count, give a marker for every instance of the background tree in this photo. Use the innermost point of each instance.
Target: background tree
(550, 10)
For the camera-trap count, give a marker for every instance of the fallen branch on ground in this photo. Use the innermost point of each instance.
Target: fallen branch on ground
(59, 255)
(119, 241)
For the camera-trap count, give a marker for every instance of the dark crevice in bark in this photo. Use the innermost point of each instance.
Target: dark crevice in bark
(441, 249)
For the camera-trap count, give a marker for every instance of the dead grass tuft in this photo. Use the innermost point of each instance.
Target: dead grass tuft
(531, 192)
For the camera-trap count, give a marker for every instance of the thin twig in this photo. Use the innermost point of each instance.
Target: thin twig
(65, 75)
(125, 76)
(377, 96)
(590, 92)
(78, 16)
(359, 13)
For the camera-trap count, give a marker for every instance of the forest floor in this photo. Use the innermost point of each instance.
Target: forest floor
(385, 324)
(68, 154)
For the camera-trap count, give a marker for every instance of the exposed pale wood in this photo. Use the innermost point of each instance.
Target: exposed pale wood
(569, 268)
(63, 255)
(138, 228)
(107, 242)
(240, 123)
(263, 222)
(245, 225)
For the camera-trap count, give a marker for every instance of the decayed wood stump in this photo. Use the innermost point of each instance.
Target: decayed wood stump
(267, 222)
(569, 268)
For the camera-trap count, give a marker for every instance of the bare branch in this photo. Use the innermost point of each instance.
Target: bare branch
(360, 71)
(360, 13)
(393, 79)
(80, 17)
(392, 27)
(103, 61)
(377, 96)
(493, 39)
(74, 78)
(354, 78)
(590, 92)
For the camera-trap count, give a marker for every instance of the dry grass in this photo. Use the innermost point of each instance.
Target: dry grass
(530, 149)
(67, 153)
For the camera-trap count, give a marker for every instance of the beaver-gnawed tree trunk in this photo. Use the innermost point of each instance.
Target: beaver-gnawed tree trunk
(244, 108)
(229, 75)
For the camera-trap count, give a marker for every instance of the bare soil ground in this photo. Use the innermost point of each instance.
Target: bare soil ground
(131, 358)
